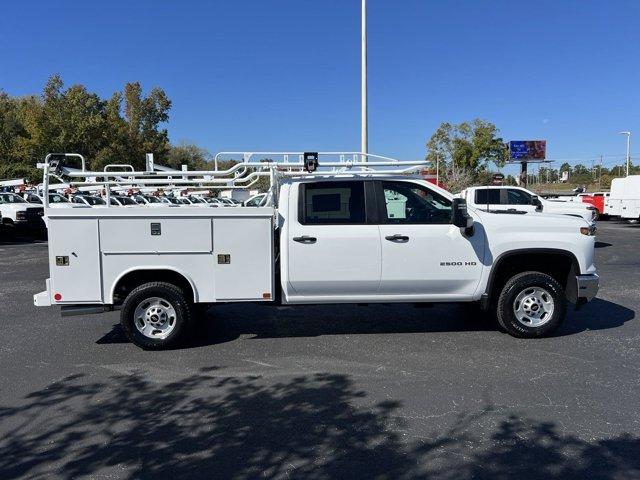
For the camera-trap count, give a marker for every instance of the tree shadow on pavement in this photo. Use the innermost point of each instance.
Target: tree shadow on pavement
(312, 427)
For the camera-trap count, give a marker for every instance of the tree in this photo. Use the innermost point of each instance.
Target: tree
(120, 129)
(189, 154)
(465, 150)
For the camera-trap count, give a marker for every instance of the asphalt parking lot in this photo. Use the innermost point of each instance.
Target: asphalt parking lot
(323, 392)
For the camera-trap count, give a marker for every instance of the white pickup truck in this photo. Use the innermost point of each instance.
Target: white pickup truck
(350, 232)
(18, 214)
(504, 198)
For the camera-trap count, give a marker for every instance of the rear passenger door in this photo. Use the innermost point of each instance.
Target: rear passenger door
(333, 244)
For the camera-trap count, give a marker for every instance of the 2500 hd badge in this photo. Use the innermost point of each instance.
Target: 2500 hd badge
(458, 264)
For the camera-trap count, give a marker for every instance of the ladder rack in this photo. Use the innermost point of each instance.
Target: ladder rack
(243, 174)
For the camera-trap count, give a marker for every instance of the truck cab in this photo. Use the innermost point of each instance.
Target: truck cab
(504, 198)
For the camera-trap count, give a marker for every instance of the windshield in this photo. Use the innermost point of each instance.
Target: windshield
(94, 200)
(57, 198)
(255, 201)
(11, 198)
(153, 199)
(197, 200)
(126, 201)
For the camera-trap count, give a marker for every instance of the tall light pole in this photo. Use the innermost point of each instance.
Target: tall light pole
(628, 134)
(364, 138)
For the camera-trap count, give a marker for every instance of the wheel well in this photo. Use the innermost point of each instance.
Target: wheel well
(136, 278)
(557, 264)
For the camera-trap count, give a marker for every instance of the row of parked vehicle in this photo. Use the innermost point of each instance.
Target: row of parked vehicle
(26, 211)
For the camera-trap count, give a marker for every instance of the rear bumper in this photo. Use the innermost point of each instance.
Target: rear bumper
(43, 299)
(587, 287)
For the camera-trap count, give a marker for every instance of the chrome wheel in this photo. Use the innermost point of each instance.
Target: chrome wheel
(533, 307)
(155, 318)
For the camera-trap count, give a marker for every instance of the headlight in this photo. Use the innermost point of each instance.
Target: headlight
(590, 230)
(21, 215)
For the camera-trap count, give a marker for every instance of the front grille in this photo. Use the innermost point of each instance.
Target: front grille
(34, 214)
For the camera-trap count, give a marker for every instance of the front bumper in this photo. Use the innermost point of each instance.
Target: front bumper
(587, 287)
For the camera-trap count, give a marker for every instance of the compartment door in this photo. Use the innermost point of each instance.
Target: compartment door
(243, 258)
(74, 260)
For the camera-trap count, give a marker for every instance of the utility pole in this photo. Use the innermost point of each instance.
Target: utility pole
(628, 134)
(364, 137)
(600, 174)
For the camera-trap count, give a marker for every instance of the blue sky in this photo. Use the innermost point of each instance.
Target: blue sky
(284, 74)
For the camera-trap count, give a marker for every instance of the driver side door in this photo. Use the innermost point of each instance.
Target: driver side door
(424, 256)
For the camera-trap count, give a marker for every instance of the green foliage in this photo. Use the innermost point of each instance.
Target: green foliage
(120, 129)
(466, 150)
(189, 154)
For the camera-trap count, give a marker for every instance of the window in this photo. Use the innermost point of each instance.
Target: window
(77, 200)
(56, 198)
(34, 199)
(11, 198)
(255, 201)
(331, 203)
(518, 197)
(488, 196)
(408, 202)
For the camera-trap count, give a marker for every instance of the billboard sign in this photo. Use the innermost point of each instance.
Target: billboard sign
(528, 149)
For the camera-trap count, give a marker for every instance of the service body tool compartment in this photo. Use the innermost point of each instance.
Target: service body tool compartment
(243, 250)
(74, 260)
(181, 244)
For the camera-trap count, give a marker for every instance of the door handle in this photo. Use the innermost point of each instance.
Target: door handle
(305, 239)
(397, 238)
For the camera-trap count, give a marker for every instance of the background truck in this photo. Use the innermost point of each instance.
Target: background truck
(624, 198)
(17, 213)
(502, 198)
(340, 231)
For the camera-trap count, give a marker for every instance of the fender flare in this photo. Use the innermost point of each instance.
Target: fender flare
(574, 270)
(155, 267)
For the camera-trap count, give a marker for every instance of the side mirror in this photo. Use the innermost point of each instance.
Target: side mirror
(459, 215)
(535, 200)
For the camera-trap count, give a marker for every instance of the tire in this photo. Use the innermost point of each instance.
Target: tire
(156, 316)
(531, 305)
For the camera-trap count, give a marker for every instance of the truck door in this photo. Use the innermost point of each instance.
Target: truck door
(491, 199)
(333, 246)
(424, 256)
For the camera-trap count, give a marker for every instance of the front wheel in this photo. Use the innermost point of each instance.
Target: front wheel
(531, 304)
(156, 315)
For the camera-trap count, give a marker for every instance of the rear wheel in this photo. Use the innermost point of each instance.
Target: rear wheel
(531, 304)
(156, 315)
